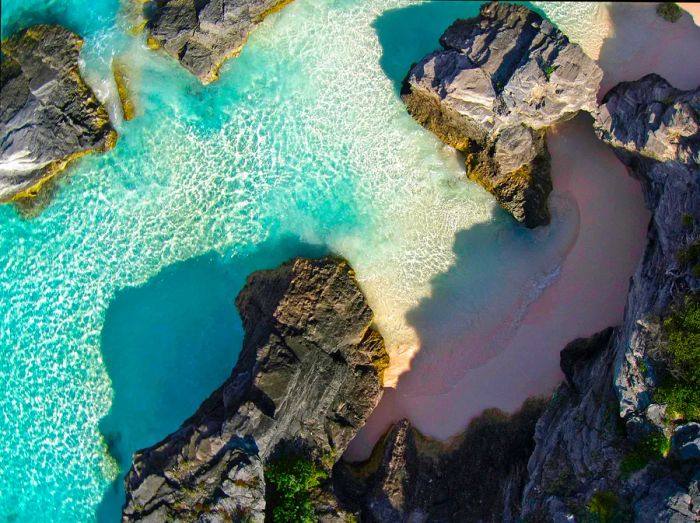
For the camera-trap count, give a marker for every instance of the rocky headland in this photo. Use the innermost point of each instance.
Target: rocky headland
(308, 376)
(48, 114)
(203, 35)
(499, 82)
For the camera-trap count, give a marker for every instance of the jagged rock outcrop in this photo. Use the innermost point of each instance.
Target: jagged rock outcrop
(586, 439)
(476, 477)
(48, 114)
(501, 80)
(308, 376)
(202, 35)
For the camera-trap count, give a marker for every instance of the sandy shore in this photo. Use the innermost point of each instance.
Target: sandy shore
(590, 291)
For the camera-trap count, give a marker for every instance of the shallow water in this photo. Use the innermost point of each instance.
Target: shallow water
(119, 295)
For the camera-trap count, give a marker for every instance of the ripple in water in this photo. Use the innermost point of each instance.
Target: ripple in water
(302, 146)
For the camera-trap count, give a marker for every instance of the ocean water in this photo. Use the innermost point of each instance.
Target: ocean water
(116, 301)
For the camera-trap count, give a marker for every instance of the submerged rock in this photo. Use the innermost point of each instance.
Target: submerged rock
(308, 376)
(501, 80)
(204, 34)
(593, 445)
(48, 114)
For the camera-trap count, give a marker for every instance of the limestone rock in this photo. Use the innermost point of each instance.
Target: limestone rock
(203, 34)
(308, 376)
(651, 118)
(501, 80)
(607, 405)
(48, 115)
(686, 441)
(476, 477)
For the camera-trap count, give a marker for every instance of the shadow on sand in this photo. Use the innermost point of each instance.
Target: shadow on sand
(170, 343)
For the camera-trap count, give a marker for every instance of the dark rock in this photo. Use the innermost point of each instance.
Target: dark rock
(502, 79)
(308, 376)
(686, 441)
(48, 115)
(476, 477)
(583, 438)
(203, 34)
(580, 351)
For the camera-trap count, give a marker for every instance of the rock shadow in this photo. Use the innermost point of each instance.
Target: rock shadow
(168, 344)
(642, 43)
(409, 33)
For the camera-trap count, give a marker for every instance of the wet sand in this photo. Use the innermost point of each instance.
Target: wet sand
(589, 292)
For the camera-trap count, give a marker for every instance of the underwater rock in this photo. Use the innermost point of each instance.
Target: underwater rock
(48, 114)
(203, 35)
(500, 81)
(308, 376)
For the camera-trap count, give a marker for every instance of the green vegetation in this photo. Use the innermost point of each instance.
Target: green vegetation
(292, 481)
(646, 450)
(669, 11)
(680, 389)
(687, 220)
(605, 507)
(549, 70)
(690, 255)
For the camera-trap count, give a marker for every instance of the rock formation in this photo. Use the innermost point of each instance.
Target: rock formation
(501, 80)
(204, 34)
(308, 376)
(586, 439)
(476, 477)
(48, 115)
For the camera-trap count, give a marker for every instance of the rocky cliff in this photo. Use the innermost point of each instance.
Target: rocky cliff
(500, 81)
(308, 376)
(476, 477)
(607, 444)
(204, 34)
(48, 115)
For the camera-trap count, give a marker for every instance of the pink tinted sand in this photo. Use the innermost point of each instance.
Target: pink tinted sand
(591, 289)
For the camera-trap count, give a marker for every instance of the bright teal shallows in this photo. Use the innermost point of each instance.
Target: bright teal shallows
(120, 294)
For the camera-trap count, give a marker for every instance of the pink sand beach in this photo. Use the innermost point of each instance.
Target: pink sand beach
(593, 191)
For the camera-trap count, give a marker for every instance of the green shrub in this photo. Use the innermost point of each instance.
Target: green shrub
(646, 450)
(680, 388)
(687, 220)
(549, 70)
(292, 480)
(604, 507)
(669, 11)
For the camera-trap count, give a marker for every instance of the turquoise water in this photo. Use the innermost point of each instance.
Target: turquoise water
(117, 300)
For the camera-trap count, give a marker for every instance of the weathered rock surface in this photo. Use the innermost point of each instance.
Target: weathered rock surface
(607, 407)
(501, 80)
(48, 115)
(203, 34)
(477, 477)
(308, 376)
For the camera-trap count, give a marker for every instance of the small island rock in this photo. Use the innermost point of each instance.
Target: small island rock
(203, 35)
(48, 114)
(500, 81)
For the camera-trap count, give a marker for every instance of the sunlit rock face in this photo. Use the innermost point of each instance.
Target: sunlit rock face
(48, 115)
(202, 35)
(309, 374)
(500, 81)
